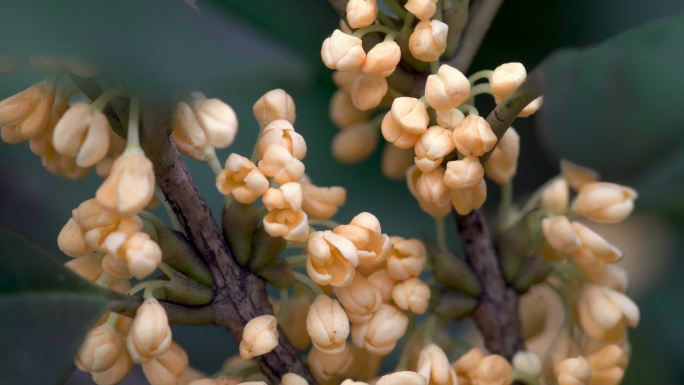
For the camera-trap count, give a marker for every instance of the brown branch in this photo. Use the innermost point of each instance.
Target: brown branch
(496, 314)
(480, 19)
(239, 295)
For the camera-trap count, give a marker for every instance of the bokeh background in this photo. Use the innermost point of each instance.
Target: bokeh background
(237, 50)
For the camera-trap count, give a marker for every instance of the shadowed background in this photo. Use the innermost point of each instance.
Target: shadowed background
(237, 50)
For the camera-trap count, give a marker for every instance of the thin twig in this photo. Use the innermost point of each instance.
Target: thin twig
(480, 19)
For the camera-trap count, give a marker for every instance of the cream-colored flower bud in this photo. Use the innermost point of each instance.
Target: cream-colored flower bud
(447, 88)
(26, 114)
(432, 147)
(594, 245)
(380, 334)
(431, 189)
(576, 175)
(414, 177)
(114, 374)
(607, 365)
(325, 366)
(410, 114)
(395, 161)
(242, 179)
(450, 118)
(97, 236)
(150, 334)
(143, 255)
(474, 136)
(412, 294)
(382, 59)
(361, 13)
(422, 9)
(433, 365)
(218, 121)
(605, 202)
(528, 363)
(259, 336)
(82, 133)
(331, 259)
(492, 370)
(367, 91)
(100, 350)
(130, 185)
(71, 240)
(573, 371)
(560, 234)
(285, 216)
(327, 325)
(115, 268)
(532, 108)
(428, 40)
(279, 164)
(87, 267)
(356, 143)
(293, 379)
(467, 200)
(365, 232)
(273, 105)
(402, 378)
(506, 79)
(466, 364)
(322, 202)
(343, 113)
(605, 313)
(407, 258)
(555, 197)
(168, 367)
(281, 132)
(91, 214)
(360, 299)
(503, 162)
(614, 277)
(343, 52)
(383, 282)
(463, 174)
(394, 133)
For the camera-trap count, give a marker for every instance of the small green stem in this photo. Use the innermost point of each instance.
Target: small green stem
(329, 223)
(212, 160)
(406, 27)
(145, 285)
(105, 97)
(434, 66)
(296, 261)
(373, 28)
(133, 134)
(396, 8)
(468, 109)
(506, 205)
(479, 75)
(283, 302)
(306, 281)
(479, 89)
(440, 233)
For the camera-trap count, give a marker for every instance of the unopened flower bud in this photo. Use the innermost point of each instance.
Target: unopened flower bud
(463, 174)
(605, 313)
(102, 347)
(365, 232)
(130, 185)
(395, 161)
(293, 379)
(380, 334)
(607, 365)
(474, 136)
(576, 175)
(203, 124)
(356, 143)
(150, 334)
(450, 118)
(428, 40)
(343, 52)
(573, 371)
(361, 13)
(503, 162)
(325, 366)
(429, 191)
(114, 374)
(87, 267)
(360, 299)
(327, 325)
(532, 107)
(605, 202)
(167, 368)
(281, 132)
(331, 259)
(433, 365)
(412, 294)
(260, 336)
(528, 363)
(447, 88)
(594, 245)
(242, 179)
(322, 202)
(422, 9)
(493, 370)
(115, 268)
(343, 113)
(143, 255)
(382, 281)
(285, 216)
(506, 79)
(555, 197)
(278, 163)
(560, 235)
(382, 59)
(82, 133)
(26, 114)
(71, 240)
(273, 105)
(394, 133)
(402, 378)
(466, 364)
(467, 200)
(367, 91)
(432, 147)
(407, 258)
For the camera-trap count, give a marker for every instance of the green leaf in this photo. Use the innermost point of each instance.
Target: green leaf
(617, 107)
(46, 311)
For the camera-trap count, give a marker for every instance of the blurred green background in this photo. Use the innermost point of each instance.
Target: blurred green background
(237, 50)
